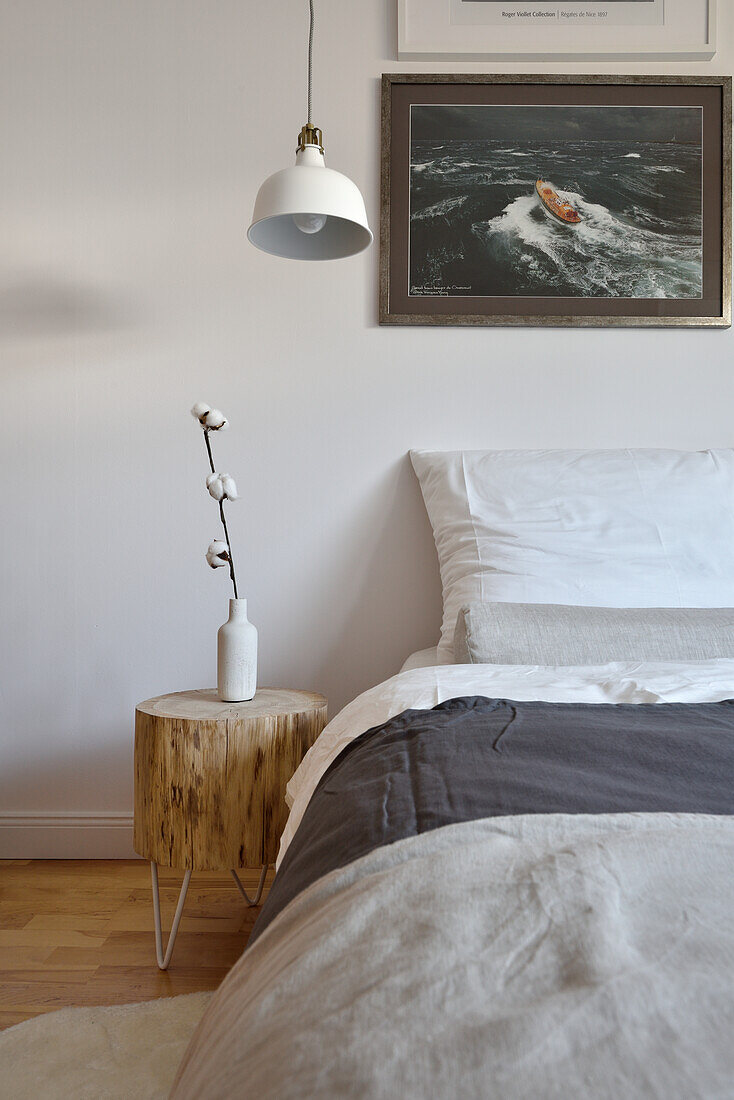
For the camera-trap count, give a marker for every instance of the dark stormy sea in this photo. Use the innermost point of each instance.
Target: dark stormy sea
(477, 227)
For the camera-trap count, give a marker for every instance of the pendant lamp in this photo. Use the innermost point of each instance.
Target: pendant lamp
(309, 212)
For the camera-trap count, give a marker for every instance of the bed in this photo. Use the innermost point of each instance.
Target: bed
(505, 879)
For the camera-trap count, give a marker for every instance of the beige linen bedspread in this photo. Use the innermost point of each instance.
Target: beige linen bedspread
(553, 956)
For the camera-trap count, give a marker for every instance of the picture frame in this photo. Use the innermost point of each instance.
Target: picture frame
(466, 30)
(643, 165)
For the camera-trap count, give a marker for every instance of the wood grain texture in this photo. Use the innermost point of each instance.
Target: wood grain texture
(210, 777)
(80, 932)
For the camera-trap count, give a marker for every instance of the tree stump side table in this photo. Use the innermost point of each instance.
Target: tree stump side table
(210, 781)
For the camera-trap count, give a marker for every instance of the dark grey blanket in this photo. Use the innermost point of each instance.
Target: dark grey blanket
(472, 758)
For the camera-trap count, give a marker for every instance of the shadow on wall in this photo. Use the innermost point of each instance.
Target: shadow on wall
(37, 306)
(393, 579)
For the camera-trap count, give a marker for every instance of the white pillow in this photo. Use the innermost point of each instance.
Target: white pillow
(627, 528)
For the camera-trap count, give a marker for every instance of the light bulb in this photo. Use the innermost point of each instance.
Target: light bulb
(310, 223)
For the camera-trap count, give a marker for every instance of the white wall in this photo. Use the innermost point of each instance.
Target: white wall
(133, 137)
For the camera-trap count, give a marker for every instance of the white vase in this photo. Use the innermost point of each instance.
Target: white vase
(236, 655)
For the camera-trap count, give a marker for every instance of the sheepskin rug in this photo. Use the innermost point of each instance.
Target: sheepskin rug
(111, 1052)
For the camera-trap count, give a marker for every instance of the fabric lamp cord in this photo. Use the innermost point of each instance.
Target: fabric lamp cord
(309, 120)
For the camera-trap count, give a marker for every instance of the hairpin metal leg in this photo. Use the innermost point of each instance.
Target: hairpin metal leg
(256, 900)
(164, 960)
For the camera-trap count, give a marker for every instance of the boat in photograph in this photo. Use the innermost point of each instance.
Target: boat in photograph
(558, 209)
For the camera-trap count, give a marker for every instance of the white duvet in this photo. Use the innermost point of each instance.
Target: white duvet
(423, 688)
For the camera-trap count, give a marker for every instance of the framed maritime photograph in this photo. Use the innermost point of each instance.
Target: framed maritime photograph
(467, 29)
(555, 200)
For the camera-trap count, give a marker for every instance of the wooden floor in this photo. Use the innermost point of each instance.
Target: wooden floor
(80, 932)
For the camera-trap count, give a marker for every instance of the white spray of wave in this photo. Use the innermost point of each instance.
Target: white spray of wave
(439, 209)
(445, 166)
(601, 256)
(635, 156)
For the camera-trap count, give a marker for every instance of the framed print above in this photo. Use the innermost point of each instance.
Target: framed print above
(467, 29)
(556, 200)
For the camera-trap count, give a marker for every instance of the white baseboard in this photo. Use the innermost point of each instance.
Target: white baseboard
(66, 836)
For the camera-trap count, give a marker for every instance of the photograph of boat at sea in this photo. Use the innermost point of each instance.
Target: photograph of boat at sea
(555, 201)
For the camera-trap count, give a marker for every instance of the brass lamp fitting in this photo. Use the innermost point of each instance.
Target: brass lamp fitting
(310, 135)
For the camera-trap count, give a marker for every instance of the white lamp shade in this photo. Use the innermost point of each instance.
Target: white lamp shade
(309, 188)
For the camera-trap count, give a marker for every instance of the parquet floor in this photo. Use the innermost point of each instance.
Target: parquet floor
(80, 932)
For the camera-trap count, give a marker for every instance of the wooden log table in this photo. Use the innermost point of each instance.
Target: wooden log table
(210, 781)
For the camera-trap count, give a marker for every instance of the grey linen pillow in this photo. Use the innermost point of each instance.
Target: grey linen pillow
(557, 634)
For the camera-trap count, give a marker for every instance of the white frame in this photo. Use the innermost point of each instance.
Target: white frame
(441, 40)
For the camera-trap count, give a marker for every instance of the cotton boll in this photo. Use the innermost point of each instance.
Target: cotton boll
(229, 486)
(215, 486)
(221, 487)
(215, 420)
(200, 411)
(217, 554)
